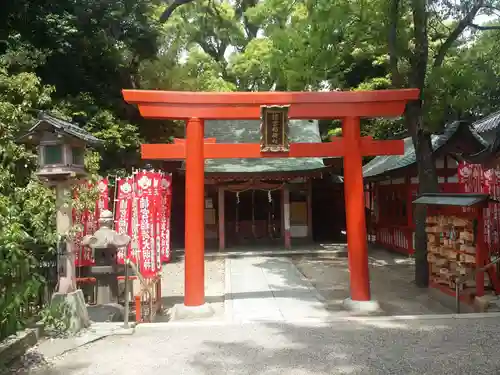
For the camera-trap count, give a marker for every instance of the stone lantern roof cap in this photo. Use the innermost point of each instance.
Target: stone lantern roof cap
(47, 121)
(105, 237)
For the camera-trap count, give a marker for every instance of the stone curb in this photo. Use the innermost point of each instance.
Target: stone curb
(273, 253)
(58, 347)
(393, 318)
(15, 346)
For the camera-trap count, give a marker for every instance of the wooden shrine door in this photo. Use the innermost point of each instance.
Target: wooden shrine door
(195, 107)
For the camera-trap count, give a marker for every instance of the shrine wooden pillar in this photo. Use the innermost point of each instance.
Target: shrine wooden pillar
(194, 276)
(222, 220)
(286, 218)
(409, 215)
(481, 251)
(355, 211)
(409, 200)
(309, 210)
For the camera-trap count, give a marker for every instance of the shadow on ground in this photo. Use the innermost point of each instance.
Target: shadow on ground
(445, 346)
(325, 273)
(391, 276)
(355, 348)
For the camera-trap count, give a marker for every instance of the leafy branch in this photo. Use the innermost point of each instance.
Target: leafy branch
(167, 13)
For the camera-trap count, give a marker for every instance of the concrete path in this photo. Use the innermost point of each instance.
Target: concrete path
(269, 288)
(371, 346)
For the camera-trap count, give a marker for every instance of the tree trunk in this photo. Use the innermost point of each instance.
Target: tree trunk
(428, 183)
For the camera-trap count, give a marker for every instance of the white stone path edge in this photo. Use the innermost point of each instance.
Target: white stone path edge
(339, 319)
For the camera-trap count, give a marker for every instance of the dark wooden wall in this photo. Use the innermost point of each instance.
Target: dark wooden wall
(328, 211)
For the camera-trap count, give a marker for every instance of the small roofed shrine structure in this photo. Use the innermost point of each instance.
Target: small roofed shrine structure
(246, 199)
(391, 183)
(463, 223)
(272, 110)
(489, 129)
(457, 253)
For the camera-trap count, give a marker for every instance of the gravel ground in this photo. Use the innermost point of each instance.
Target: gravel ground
(31, 361)
(444, 346)
(391, 278)
(172, 293)
(173, 285)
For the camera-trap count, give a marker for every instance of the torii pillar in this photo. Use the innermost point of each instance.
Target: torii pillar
(195, 107)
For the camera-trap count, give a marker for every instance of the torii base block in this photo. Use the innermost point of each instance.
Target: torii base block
(182, 312)
(362, 307)
(195, 107)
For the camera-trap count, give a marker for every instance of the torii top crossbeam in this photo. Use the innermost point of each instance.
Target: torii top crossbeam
(195, 107)
(246, 105)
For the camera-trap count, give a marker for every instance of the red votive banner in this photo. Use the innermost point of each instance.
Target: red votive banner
(475, 179)
(142, 210)
(156, 219)
(164, 220)
(123, 210)
(146, 198)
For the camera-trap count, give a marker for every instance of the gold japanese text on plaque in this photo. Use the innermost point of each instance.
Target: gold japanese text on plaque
(274, 129)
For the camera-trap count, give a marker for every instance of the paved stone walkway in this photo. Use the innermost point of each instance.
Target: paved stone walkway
(391, 279)
(269, 288)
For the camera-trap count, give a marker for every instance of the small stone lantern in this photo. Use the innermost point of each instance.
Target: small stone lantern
(105, 243)
(61, 147)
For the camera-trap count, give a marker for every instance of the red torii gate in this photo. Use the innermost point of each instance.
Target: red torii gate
(195, 107)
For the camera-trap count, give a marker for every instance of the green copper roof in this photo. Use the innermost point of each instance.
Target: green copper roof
(248, 131)
(383, 164)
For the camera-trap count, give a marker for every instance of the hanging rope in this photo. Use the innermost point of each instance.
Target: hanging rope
(237, 218)
(271, 226)
(250, 188)
(270, 216)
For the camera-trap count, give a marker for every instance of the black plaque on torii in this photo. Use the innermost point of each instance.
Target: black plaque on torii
(274, 129)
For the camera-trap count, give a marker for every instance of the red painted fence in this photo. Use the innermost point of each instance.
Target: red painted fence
(394, 226)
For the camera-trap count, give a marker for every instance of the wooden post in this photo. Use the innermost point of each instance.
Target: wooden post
(194, 283)
(222, 229)
(445, 168)
(409, 204)
(409, 214)
(481, 252)
(138, 308)
(309, 210)
(376, 209)
(370, 210)
(286, 217)
(355, 212)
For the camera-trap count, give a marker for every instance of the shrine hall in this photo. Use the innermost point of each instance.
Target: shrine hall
(264, 203)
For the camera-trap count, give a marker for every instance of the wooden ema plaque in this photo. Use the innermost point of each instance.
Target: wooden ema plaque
(274, 129)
